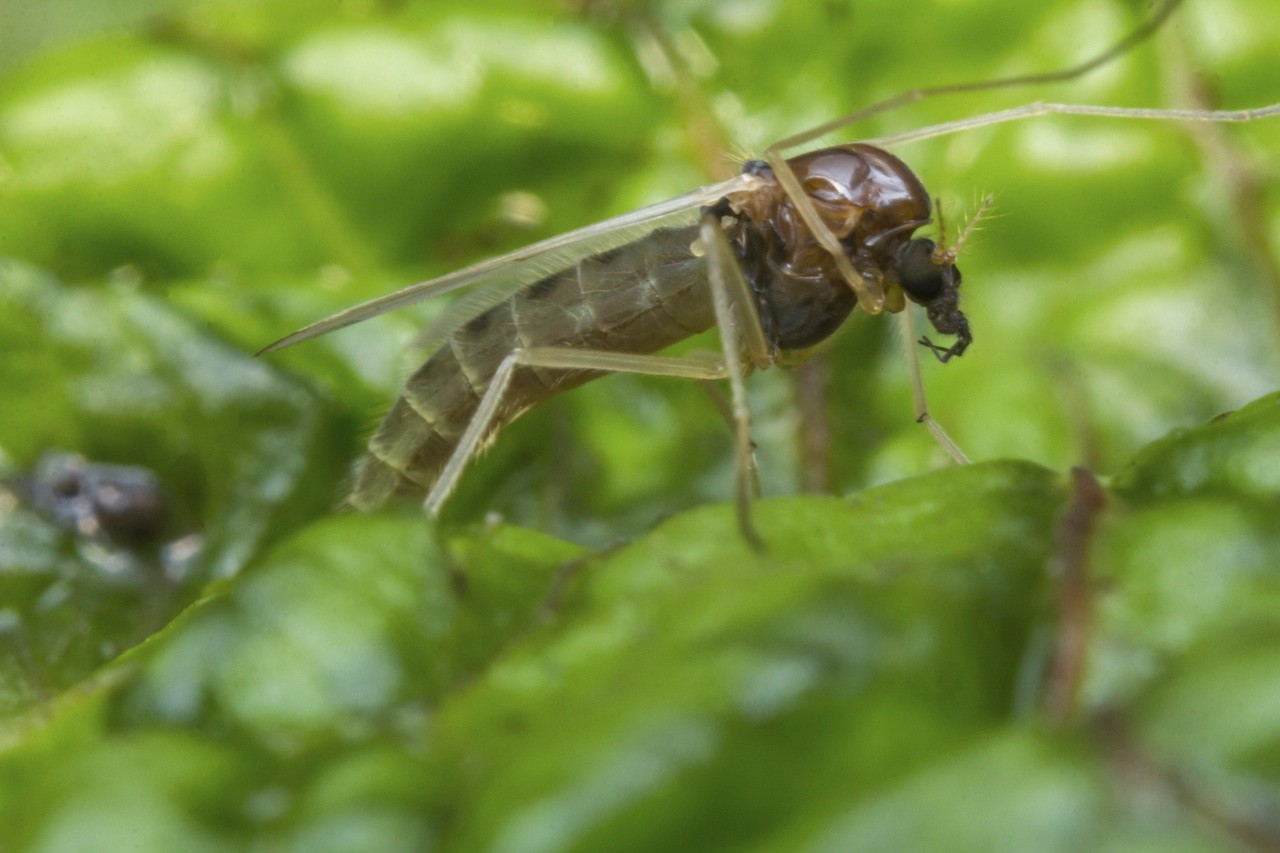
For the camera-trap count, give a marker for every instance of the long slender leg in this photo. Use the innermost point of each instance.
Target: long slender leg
(469, 443)
(870, 294)
(729, 292)
(681, 367)
(722, 406)
(917, 390)
(725, 278)
(1141, 33)
(700, 369)
(1039, 108)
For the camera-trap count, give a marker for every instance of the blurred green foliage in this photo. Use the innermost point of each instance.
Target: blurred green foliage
(192, 181)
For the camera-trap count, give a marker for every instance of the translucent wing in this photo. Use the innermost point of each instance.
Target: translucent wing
(510, 272)
(500, 285)
(461, 311)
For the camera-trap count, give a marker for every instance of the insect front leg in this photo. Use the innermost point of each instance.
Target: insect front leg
(917, 390)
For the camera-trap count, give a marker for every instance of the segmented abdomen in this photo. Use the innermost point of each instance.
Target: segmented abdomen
(639, 298)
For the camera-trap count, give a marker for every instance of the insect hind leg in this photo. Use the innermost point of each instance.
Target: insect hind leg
(700, 369)
(731, 296)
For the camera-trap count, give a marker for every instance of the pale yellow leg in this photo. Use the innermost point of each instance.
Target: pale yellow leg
(726, 280)
(917, 390)
(739, 325)
(1138, 35)
(1042, 109)
(567, 359)
(871, 297)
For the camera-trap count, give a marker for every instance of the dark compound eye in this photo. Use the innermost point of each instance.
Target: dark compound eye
(919, 276)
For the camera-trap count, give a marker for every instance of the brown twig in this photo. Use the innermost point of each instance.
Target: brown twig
(1075, 596)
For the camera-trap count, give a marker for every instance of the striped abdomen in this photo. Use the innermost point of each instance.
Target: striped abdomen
(638, 298)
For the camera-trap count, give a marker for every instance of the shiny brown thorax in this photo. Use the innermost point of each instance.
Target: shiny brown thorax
(869, 199)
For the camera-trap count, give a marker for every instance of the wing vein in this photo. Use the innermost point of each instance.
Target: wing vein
(521, 266)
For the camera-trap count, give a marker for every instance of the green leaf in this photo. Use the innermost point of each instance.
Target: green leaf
(117, 376)
(586, 654)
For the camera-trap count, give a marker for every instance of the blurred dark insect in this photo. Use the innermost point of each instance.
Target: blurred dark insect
(121, 504)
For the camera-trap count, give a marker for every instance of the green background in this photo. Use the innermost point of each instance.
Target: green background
(595, 660)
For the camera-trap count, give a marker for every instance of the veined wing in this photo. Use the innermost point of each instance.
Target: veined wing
(509, 272)
(464, 309)
(500, 285)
